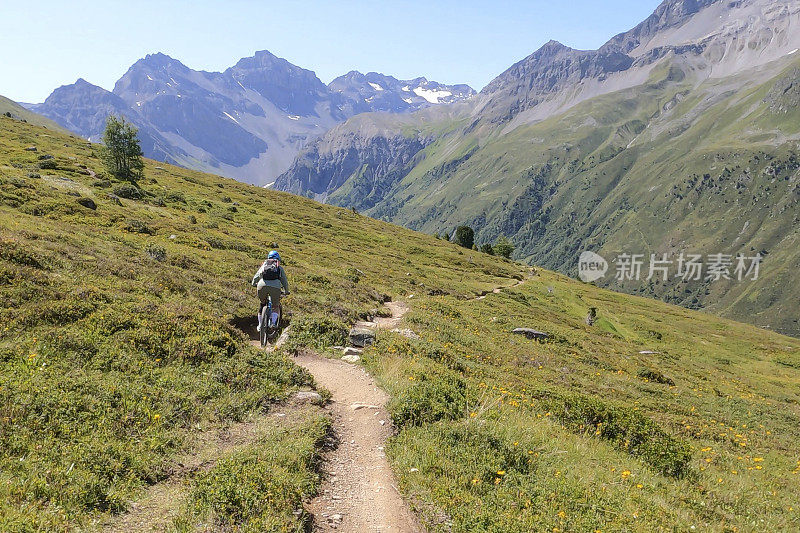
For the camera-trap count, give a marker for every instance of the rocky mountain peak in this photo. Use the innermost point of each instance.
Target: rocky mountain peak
(551, 49)
(668, 14)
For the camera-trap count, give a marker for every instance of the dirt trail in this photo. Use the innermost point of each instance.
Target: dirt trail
(498, 290)
(359, 493)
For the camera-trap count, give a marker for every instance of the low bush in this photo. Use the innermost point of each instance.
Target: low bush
(627, 429)
(655, 376)
(137, 226)
(157, 252)
(257, 489)
(432, 396)
(317, 331)
(128, 191)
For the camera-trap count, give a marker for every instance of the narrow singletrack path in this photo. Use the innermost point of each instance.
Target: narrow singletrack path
(359, 493)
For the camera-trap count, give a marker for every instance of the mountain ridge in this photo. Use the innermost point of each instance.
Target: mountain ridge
(248, 121)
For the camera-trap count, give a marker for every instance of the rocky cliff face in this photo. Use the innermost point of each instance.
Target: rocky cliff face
(83, 108)
(549, 70)
(366, 162)
(248, 122)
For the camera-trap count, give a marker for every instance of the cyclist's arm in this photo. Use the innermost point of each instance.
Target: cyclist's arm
(284, 281)
(257, 276)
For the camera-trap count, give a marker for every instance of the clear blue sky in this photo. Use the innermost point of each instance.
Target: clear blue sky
(48, 43)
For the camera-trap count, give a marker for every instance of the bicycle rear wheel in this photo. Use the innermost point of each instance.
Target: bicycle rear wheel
(263, 321)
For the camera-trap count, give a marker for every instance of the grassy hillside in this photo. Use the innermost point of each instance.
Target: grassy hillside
(119, 347)
(116, 340)
(9, 107)
(674, 165)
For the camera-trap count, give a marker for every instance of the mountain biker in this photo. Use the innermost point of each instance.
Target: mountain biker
(269, 279)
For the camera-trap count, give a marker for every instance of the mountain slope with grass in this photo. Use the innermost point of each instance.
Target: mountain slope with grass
(680, 136)
(11, 109)
(121, 350)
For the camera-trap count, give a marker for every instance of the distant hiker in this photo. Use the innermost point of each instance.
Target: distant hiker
(269, 279)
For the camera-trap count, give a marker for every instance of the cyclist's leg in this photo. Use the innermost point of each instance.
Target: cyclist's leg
(275, 296)
(263, 293)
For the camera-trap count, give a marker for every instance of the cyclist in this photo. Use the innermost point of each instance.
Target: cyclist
(269, 279)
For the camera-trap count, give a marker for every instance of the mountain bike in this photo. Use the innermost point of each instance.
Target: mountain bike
(269, 328)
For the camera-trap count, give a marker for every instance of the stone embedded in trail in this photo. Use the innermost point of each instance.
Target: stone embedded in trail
(359, 406)
(352, 351)
(351, 359)
(307, 397)
(407, 333)
(530, 333)
(361, 337)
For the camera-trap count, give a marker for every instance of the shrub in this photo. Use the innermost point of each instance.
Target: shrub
(433, 396)
(48, 164)
(176, 196)
(655, 376)
(317, 332)
(487, 249)
(257, 489)
(159, 253)
(128, 191)
(503, 247)
(137, 226)
(629, 430)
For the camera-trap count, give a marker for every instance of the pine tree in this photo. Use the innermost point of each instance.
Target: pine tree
(465, 236)
(121, 153)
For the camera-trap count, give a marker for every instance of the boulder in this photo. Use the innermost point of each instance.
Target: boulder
(88, 203)
(591, 317)
(352, 351)
(351, 359)
(31, 149)
(307, 397)
(115, 199)
(361, 337)
(530, 333)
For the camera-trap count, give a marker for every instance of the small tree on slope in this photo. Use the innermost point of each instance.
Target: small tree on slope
(465, 236)
(503, 247)
(121, 153)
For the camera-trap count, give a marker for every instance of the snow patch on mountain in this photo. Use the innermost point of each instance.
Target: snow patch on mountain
(375, 86)
(432, 96)
(230, 117)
